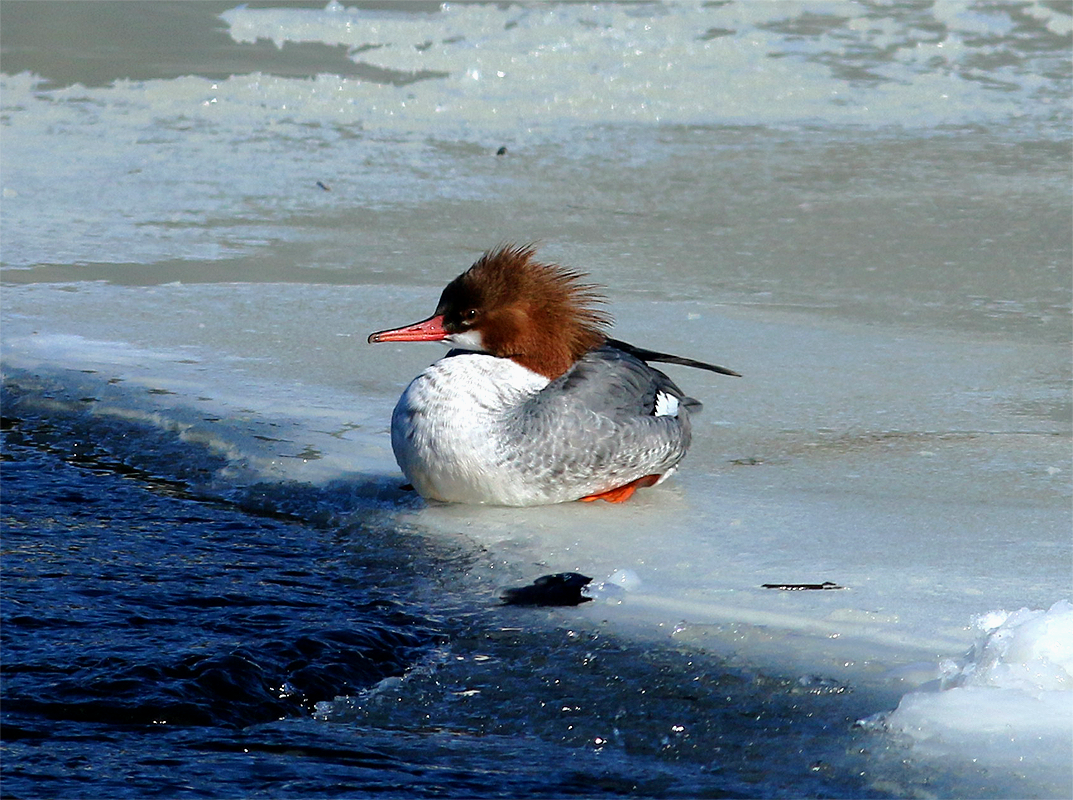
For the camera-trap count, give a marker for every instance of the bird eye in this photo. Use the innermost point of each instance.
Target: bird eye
(470, 315)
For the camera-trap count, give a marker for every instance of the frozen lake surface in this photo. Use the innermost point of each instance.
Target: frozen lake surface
(864, 209)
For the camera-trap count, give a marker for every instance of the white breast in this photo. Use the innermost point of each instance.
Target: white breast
(447, 427)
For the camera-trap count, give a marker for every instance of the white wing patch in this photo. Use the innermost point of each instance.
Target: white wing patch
(666, 405)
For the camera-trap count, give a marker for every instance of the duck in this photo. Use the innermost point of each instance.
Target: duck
(535, 403)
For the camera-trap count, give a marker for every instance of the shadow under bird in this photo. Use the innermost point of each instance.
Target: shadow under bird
(534, 404)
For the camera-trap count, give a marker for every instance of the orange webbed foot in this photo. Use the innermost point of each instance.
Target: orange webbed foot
(622, 493)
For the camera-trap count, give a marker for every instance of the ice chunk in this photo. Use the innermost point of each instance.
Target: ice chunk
(1007, 704)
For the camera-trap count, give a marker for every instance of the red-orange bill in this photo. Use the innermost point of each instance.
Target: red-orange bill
(428, 330)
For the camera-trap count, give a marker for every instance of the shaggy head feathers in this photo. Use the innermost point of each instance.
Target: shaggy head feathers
(543, 316)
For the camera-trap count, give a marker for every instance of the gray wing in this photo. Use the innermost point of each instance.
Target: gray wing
(612, 381)
(598, 423)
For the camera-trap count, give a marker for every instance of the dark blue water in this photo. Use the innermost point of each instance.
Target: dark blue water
(158, 642)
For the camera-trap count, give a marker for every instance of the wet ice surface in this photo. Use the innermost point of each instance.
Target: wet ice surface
(866, 214)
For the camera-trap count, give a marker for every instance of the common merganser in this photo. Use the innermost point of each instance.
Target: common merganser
(535, 404)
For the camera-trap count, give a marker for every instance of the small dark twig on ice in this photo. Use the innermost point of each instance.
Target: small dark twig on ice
(800, 587)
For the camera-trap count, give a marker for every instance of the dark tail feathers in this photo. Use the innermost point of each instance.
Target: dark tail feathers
(652, 355)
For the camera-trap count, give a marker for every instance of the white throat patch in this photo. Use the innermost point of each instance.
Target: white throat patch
(467, 340)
